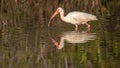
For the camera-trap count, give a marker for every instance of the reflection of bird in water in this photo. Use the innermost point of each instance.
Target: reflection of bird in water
(75, 17)
(73, 37)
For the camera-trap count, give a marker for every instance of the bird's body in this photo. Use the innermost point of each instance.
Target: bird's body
(79, 18)
(75, 17)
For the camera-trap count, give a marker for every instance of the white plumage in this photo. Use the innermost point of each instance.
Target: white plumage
(79, 17)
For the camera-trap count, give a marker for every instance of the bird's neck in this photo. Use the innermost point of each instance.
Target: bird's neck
(62, 15)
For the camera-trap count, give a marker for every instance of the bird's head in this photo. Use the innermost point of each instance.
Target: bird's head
(59, 10)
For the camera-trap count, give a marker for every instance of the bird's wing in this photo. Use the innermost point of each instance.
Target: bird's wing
(78, 16)
(79, 19)
(81, 16)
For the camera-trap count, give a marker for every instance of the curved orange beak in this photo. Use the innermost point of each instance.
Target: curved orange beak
(55, 13)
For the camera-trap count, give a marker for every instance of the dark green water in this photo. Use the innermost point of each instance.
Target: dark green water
(31, 47)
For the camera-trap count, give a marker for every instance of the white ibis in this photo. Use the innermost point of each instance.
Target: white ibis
(73, 37)
(74, 17)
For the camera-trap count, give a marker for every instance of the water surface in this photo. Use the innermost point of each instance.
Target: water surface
(30, 45)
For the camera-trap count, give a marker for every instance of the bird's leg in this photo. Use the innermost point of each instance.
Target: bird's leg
(88, 26)
(76, 27)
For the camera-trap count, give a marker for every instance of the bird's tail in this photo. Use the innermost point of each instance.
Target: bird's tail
(95, 18)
